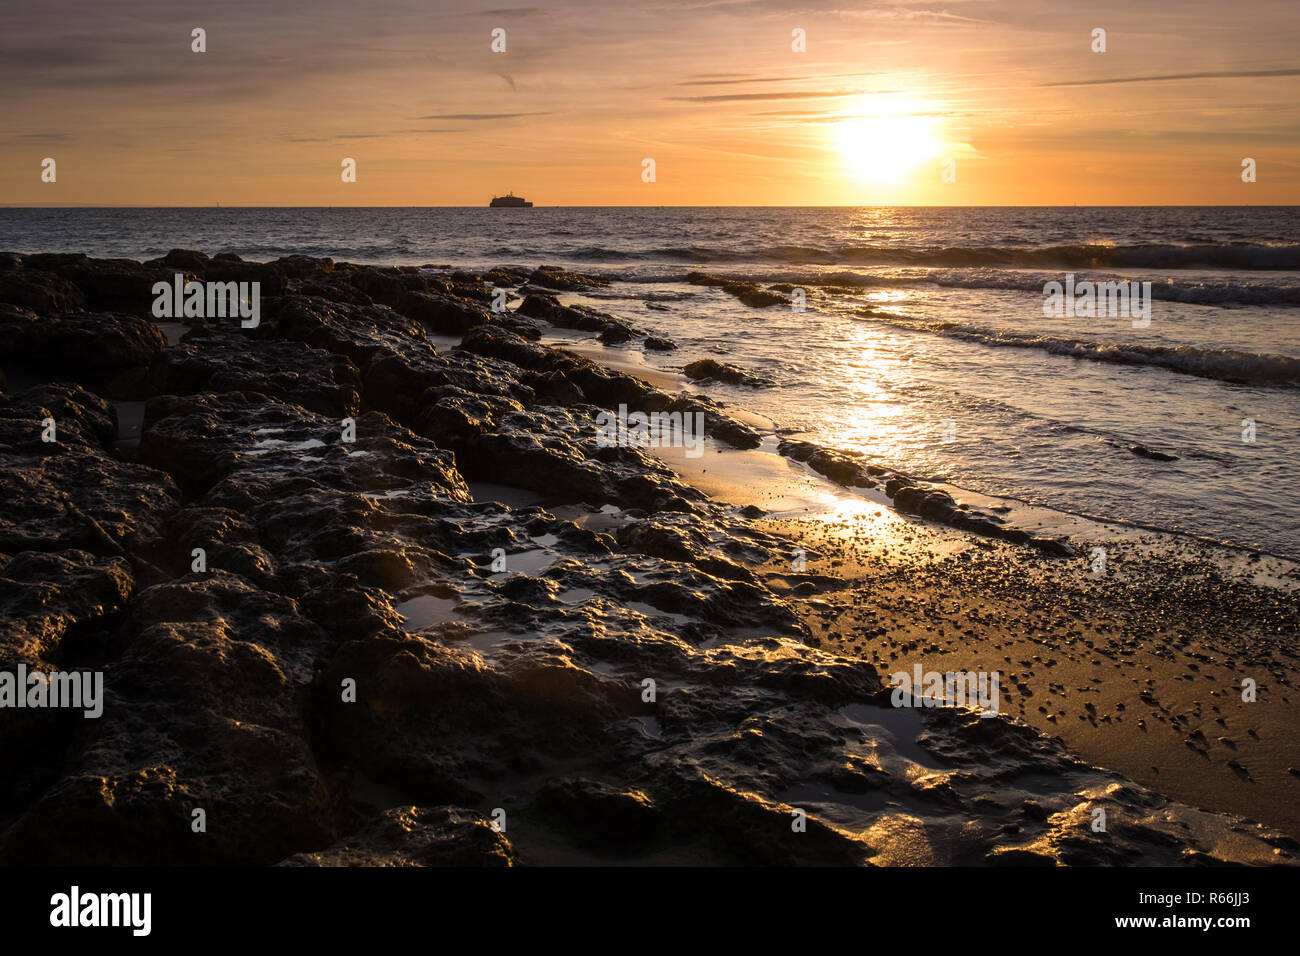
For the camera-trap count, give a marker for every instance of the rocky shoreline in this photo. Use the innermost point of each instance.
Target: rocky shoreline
(365, 589)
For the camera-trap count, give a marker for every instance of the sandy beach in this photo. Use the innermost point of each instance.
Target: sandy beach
(1138, 667)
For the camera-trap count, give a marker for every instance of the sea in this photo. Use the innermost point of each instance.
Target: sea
(922, 340)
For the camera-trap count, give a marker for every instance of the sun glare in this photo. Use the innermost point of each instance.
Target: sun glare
(887, 139)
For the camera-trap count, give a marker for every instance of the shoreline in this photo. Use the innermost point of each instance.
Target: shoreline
(1181, 743)
(521, 688)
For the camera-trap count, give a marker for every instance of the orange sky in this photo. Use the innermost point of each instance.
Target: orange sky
(1010, 92)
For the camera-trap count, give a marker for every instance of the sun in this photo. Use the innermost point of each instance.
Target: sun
(887, 139)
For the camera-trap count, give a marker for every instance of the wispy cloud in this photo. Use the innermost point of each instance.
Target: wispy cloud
(731, 97)
(477, 116)
(706, 80)
(1207, 75)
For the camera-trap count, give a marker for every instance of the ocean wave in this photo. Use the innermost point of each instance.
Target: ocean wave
(1228, 291)
(1226, 365)
(1195, 292)
(1205, 255)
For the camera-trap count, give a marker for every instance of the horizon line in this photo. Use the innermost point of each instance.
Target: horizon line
(681, 206)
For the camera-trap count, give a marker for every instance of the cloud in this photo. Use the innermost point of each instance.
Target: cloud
(478, 116)
(723, 79)
(731, 97)
(1208, 75)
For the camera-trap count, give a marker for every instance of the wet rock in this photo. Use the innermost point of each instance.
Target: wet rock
(722, 372)
(716, 424)
(843, 467)
(553, 277)
(271, 280)
(523, 328)
(303, 267)
(548, 308)
(200, 440)
(200, 712)
(228, 540)
(606, 387)
(70, 493)
(43, 292)
(605, 819)
(108, 284)
(1143, 452)
(60, 610)
(443, 314)
(750, 293)
(288, 371)
(334, 292)
(384, 286)
(357, 332)
(79, 346)
(546, 451)
(507, 275)
(412, 691)
(185, 260)
(615, 335)
(553, 385)
(417, 836)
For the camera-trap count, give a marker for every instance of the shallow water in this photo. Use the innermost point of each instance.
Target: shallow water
(929, 349)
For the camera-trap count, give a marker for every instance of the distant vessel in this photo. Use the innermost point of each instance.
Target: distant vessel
(510, 199)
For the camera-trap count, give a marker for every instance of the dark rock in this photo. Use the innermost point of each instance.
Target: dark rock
(553, 277)
(116, 284)
(840, 466)
(750, 293)
(417, 836)
(385, 287)
(442, 314)
(302, 267)
(80, 346)
(288, 371)
(720, 371)
(615, 334)
(580, 317)
(56, 607)
(507, 275)
(70, 493)
(201, 712)
(1143, 452)
(272, 280)
(186, 260)
(43, 292)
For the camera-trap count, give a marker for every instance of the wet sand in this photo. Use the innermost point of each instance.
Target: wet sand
(1137, 667)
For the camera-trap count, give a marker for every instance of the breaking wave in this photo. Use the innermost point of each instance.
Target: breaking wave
(1236, 255)
(1226, 365)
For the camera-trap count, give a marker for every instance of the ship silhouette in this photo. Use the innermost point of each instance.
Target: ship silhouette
(510, 199)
